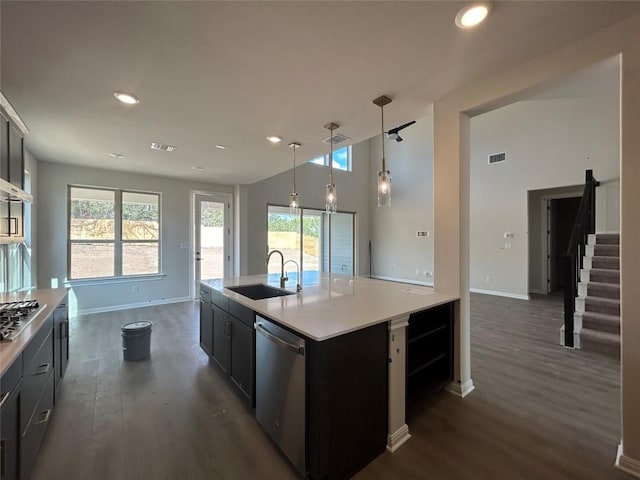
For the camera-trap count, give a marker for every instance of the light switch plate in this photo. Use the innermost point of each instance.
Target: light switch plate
(184, 245)
(423, 233)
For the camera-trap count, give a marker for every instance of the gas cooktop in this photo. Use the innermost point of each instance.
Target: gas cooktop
(15, 316)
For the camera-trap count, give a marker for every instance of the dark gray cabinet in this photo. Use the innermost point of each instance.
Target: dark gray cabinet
(27, 394)
(232, 340)
(242, 352)
(206, 322)
(36, 402)
(16, 158)
(221, 332)
(9, 421)
(4, 147)
(60, 343)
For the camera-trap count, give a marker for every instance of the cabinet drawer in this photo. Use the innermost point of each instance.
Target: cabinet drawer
(11, 377)
(242, 313)
(205, 293)
(36, 375)
(219, 299)
(34, 431)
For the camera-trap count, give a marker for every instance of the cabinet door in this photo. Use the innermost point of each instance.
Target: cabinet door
(60, 344)
(241, 367)
(206, 327)
(4, 148)
(16, 161)
(9, 435)
(221, 338)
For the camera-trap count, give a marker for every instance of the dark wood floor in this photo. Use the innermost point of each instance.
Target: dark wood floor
(539, 411)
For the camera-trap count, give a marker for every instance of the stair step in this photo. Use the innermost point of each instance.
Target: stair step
(607, 306)
(606, 250)
(608, 263)
(607, 238)
(602, 342)
(604, 276)
(603, 290)
(601, 322)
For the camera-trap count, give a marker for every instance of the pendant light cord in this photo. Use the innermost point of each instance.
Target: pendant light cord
(331, 155)
(384, 166)
(294, 169)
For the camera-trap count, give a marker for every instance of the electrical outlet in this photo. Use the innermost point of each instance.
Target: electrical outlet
(507, 244)
(488, 279)
(135, 289)
(423, 233)
(184, 245)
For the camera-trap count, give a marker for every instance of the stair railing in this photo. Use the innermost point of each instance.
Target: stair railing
(584, 225)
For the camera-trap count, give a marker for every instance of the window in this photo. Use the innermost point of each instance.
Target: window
(341, 159)
(305, 239)
(113, 233)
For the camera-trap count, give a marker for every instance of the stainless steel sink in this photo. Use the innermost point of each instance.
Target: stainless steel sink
(259, 291)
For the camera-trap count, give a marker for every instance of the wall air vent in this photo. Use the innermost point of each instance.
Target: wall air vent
(497, 157)
(337, 139)
(162, 146)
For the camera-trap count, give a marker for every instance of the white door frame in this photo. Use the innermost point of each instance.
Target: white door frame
(226, 198)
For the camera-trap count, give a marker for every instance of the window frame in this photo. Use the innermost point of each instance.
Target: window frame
(325, 161)
(118, 241)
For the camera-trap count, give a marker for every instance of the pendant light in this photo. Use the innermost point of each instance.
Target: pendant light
(332, 194)
(384, 176)
(294, 205)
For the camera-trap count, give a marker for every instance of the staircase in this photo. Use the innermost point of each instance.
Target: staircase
(597, 306)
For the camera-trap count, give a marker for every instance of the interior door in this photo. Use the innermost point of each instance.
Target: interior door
(212, 237)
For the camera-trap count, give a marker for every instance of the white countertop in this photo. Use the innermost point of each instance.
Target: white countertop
(9, 351)
(337, 304)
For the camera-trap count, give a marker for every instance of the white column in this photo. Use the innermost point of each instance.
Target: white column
(398, 429)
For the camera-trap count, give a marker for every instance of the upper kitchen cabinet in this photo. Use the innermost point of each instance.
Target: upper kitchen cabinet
(12, 195)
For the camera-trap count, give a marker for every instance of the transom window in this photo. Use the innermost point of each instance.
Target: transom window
(112, 233)
(341, 159)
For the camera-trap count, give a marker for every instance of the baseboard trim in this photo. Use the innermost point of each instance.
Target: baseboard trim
(500, 294)
(113, 308)
(402, 280)
(627, 464)
(396, 439)
(460, 389)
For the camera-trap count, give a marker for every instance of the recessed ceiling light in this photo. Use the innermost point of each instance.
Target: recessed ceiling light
(473, 14)
(126, 98)
(198, 169)
(221, 147)
(116, 155)
(274, 139)
(162, 146)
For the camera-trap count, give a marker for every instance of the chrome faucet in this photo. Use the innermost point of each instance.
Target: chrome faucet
(299, 283)
(283, 279)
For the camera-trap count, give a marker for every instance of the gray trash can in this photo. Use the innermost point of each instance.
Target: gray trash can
(136, 340)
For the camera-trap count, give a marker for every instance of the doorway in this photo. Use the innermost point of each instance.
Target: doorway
(561, 215)
(212, 256)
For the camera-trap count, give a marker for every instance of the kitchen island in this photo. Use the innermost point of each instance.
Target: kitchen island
(357, 365)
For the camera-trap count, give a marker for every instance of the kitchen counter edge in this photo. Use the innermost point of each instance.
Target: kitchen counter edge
(51, 297)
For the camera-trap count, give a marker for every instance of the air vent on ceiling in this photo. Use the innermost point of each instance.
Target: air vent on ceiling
(162, 146)
(497, 157)
(337, 139)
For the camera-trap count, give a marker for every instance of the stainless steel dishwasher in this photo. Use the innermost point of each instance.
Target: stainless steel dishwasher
(280, 389)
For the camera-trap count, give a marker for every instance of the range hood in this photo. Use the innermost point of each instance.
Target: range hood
(11, 193)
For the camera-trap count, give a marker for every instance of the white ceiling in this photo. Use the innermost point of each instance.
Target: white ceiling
(234, 72)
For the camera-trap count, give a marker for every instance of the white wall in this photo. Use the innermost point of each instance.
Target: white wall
(549, 143)
(353, 196)
(51, 204)
(397, 253)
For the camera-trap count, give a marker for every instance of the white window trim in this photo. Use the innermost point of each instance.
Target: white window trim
(118, 277)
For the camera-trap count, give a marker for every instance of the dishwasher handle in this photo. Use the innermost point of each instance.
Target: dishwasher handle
(294, 348)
